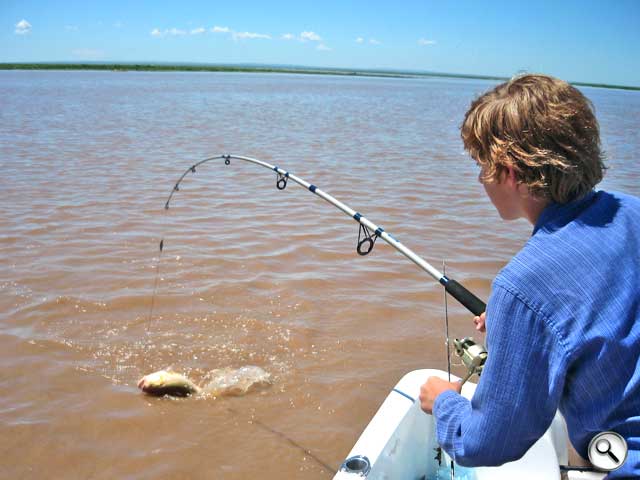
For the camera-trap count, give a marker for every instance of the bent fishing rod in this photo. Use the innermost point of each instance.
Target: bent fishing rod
(368, 231)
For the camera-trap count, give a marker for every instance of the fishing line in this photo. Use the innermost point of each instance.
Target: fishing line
(156, 280)
(446, 325)
(155, 286)
(153, 296)
(289, 440)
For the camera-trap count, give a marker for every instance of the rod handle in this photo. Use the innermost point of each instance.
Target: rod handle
(464, 296)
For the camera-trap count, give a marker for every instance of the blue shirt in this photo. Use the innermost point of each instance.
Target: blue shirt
(563, 331)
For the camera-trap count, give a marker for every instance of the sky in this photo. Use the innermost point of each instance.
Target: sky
(583, 41)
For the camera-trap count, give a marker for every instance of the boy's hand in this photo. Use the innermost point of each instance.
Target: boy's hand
(433, 387)
(479, 322)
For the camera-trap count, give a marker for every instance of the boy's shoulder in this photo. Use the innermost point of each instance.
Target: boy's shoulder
(626, 199)
(575, 246)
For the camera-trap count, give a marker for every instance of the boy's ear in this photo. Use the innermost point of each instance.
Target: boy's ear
(511, 176)
(516, 184)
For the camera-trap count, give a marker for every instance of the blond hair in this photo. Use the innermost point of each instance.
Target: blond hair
(544, 129)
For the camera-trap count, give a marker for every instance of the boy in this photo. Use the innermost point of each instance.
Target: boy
(563, 319)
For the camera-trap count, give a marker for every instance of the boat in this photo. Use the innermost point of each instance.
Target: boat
(400, 443)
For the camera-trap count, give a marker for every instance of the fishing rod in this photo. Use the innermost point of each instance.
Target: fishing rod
(368, 231)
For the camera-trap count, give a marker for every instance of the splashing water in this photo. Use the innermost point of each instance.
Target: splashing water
(234, 382)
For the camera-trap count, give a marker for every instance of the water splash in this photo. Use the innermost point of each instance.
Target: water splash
(235, 382)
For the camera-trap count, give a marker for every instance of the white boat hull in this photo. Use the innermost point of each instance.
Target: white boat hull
(400, 443)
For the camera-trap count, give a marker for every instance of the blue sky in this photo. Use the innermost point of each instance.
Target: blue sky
(589, 41)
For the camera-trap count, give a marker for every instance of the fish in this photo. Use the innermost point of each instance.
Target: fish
(167, 382)
(220, 382)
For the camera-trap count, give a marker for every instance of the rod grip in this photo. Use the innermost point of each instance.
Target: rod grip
(464, 296)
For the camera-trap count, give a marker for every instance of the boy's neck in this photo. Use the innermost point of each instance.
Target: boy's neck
(532, 207)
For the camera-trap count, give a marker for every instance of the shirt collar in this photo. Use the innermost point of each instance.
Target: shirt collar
(557, 214)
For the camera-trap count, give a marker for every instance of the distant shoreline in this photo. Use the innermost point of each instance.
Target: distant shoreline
(148, 67)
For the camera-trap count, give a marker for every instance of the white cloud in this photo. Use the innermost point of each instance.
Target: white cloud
(312, 36)
(23, 27)
(287, 36)
(323, 47)
(249, 35)
(71, 28)
(170, 31)
(156, 32)
(359, 40)
(118, 24)
(88, 53)
(373, 41)
(423, 41)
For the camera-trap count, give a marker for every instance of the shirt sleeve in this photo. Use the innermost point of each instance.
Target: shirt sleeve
(518, 393)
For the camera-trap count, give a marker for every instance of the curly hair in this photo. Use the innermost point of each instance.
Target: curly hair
(543, 128)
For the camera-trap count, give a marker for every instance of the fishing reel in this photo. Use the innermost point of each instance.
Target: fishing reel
(472, 354)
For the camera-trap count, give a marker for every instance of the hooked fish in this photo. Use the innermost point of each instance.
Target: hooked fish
(167, 382)
(226, 381)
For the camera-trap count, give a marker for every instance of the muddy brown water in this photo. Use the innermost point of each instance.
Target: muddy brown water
(249, 275)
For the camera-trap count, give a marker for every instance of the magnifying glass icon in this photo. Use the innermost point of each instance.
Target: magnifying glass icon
(607, 451)
(603, 446)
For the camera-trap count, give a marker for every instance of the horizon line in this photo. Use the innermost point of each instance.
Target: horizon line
(249, 67)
